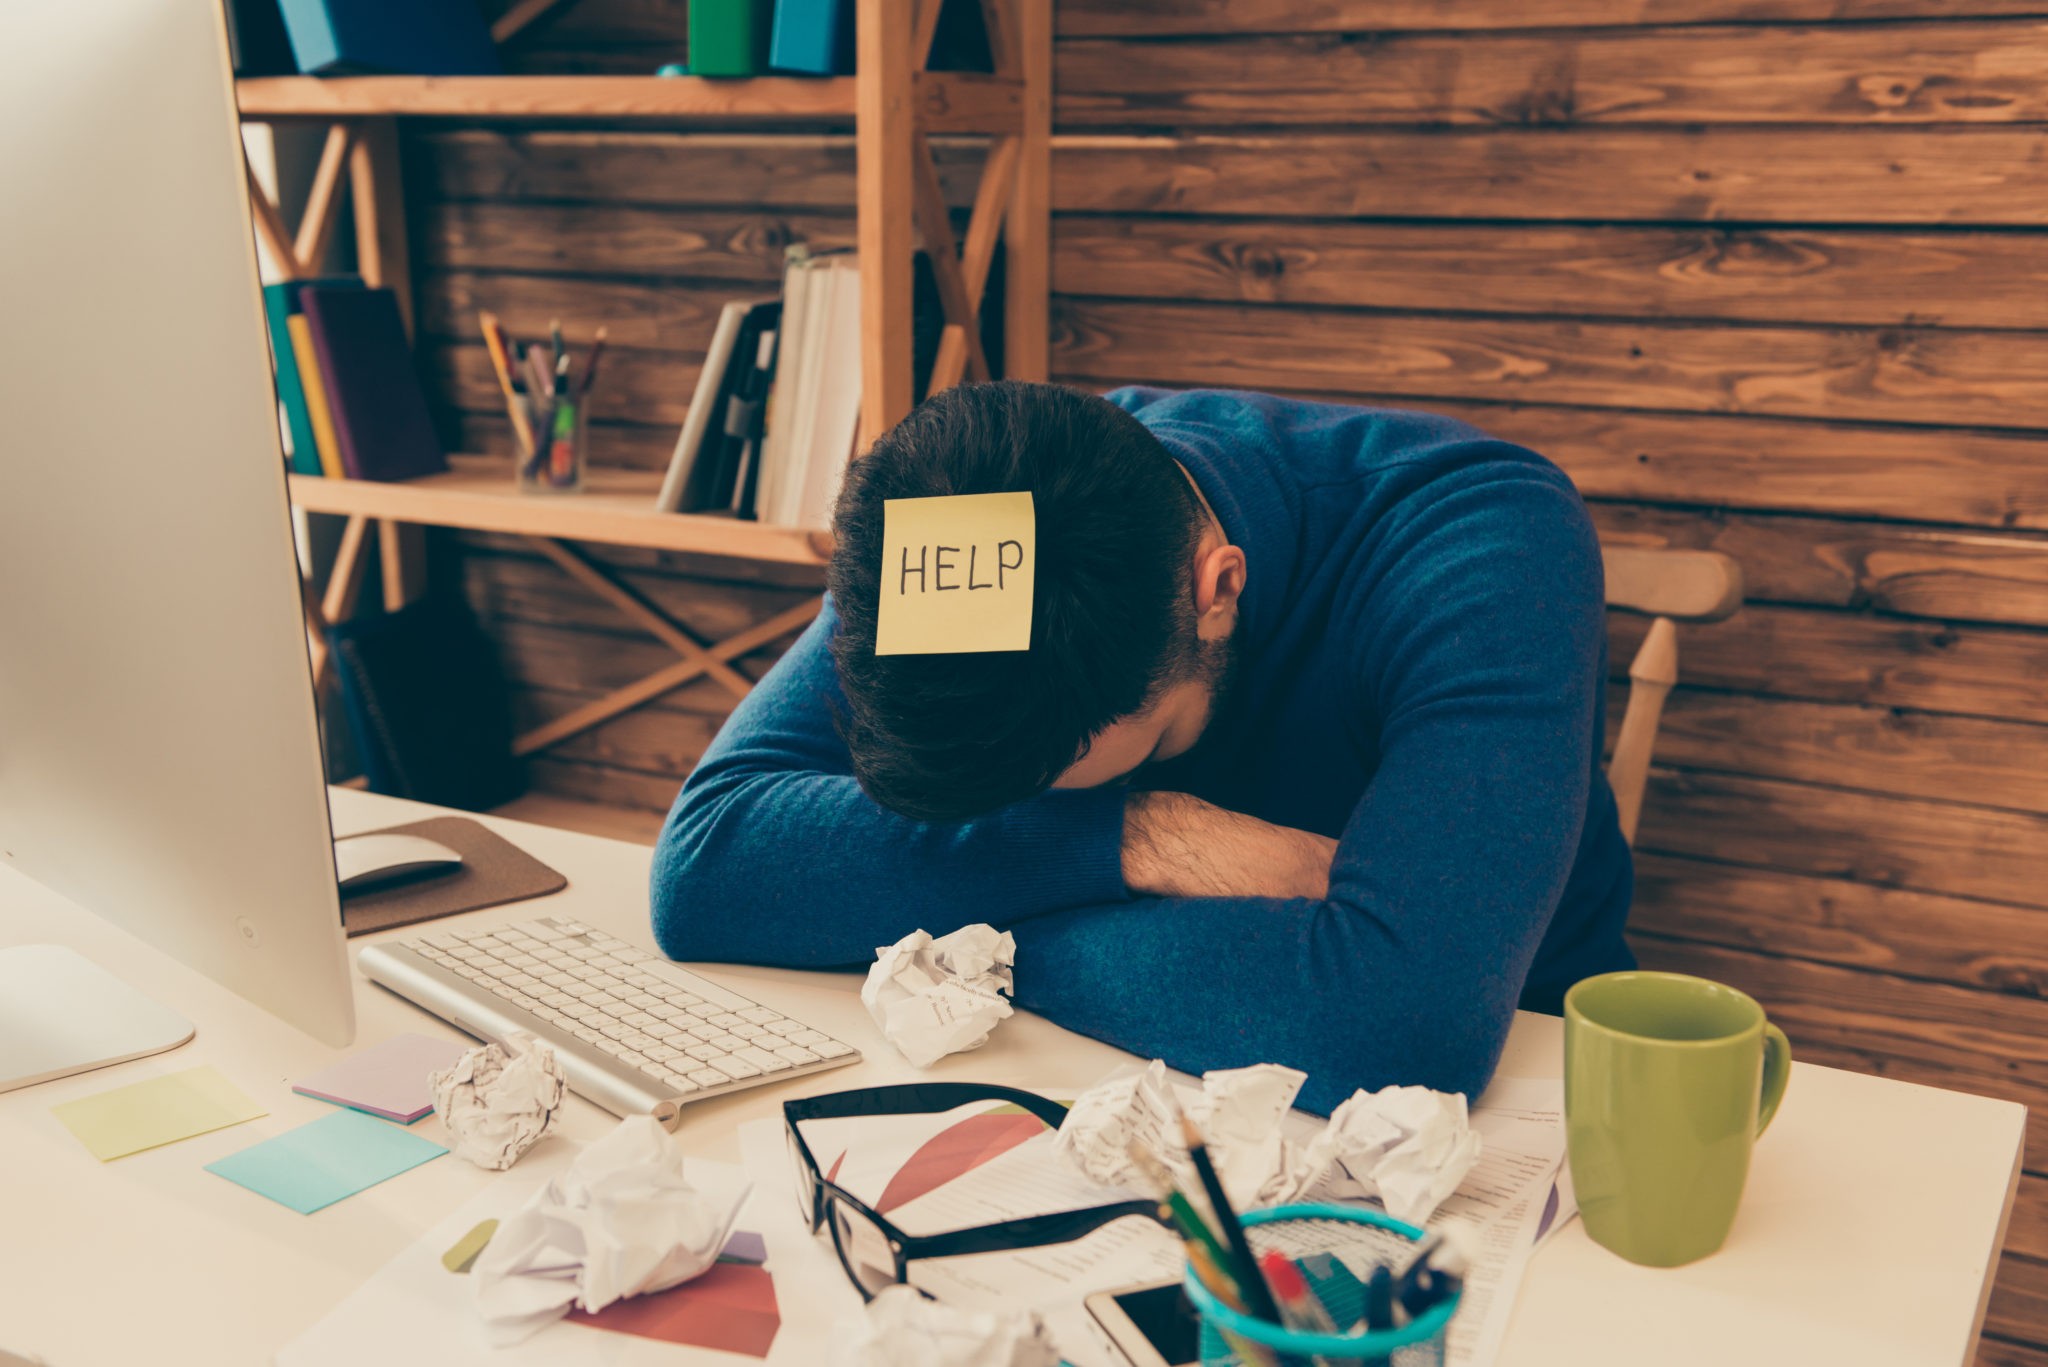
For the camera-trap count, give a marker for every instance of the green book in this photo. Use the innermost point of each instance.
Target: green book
(280, 302)
(729, 37)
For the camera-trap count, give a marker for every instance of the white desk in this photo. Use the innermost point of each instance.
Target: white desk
(1872, 1222)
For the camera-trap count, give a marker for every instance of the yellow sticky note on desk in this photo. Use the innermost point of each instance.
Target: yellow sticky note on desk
(160, 1111)
(957, 574)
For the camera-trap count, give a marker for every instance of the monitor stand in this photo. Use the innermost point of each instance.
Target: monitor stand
(60, 1013)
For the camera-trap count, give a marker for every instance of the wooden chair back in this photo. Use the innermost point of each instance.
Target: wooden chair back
(1671, 586)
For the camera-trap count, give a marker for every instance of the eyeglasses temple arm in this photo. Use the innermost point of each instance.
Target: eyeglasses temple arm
(1032, 1231)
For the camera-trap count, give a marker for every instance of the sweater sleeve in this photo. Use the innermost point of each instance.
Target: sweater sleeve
(773, 854)
(1476, 640)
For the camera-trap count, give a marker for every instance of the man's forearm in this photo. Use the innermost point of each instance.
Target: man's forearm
(1176, 845)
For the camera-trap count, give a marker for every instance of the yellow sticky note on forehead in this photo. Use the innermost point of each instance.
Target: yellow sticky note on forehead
(957, 573)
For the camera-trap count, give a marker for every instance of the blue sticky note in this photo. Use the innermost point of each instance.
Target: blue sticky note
(319, 1163)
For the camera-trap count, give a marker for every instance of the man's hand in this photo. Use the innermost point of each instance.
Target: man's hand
(1180, 846)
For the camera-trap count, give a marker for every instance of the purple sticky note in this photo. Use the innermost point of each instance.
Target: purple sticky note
(744, 1246)
(388, 1079)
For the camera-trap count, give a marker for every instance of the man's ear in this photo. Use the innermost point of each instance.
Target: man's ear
(1219, 581)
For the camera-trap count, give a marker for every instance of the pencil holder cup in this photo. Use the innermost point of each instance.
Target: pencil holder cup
(1356, 1239)
(561, 443)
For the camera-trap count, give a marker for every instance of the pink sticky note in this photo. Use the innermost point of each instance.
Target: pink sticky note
(388, 1079)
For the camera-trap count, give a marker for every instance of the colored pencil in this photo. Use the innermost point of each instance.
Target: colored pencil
(1257, 1297)
(562, 449)
(1300, 1310)
(1177, 1211)
(1177, 1208)
(1379, 1299)
(540, 384)
(501, 362)
(1220, 1285)
(589, 375)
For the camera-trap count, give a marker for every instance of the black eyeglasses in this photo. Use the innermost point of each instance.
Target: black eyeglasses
(874, 1252)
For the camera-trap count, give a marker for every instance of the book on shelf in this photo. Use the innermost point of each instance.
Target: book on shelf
(813, 412)
(776, 413)
(413, 38)
(375, 402)
(315, 389)
(703, 474)
(280, 306)
(746, 408)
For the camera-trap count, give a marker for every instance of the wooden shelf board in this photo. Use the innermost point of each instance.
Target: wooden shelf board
(946, 101)
(615, 508)
(548, 97)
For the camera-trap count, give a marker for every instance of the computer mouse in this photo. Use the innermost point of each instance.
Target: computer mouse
(362, 862)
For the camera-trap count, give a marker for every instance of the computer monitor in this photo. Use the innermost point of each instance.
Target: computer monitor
(160, 757)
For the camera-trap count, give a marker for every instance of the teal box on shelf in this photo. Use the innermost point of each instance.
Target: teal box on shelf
(729, 37)
(813, 37)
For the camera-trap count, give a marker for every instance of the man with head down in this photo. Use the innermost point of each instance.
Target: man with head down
(1299, 762)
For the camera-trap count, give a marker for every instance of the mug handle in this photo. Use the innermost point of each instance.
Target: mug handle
(1777, 1072)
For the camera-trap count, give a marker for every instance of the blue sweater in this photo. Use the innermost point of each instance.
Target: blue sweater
(1422, 677)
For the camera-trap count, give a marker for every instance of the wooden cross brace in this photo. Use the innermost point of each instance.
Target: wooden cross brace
(961, 272)
(698, 657)
(366, 151)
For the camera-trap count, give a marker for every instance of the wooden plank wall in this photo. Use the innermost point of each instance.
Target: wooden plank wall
(1763, 275)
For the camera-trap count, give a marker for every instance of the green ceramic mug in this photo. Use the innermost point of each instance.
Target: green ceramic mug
(1668, 1082)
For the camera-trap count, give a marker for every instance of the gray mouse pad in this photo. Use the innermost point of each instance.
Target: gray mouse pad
(494, 871)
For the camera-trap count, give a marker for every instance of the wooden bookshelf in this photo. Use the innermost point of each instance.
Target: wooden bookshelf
(894, 106)
(615, 508)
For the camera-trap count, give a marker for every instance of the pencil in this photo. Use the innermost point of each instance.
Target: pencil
(589, 375)
(494, 342)
(1299, 1308)
(1179, 1212)
(1211, 1275)
(1258, 1299)
(539, 382)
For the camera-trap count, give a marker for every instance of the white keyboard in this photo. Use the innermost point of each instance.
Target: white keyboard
(636, 1033)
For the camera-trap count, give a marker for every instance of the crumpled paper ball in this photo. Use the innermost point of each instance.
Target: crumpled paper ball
(937, 997)
(620, 1221)
(498, 1100)
(1131, 1104)
(904, 1328)
(1241, 1113)
(1409, 1146)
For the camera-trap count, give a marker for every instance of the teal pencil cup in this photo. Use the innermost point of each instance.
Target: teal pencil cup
(1356, 1239)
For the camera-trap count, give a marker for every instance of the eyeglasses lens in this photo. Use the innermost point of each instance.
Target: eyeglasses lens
(806, 1183)
(864, 1249)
